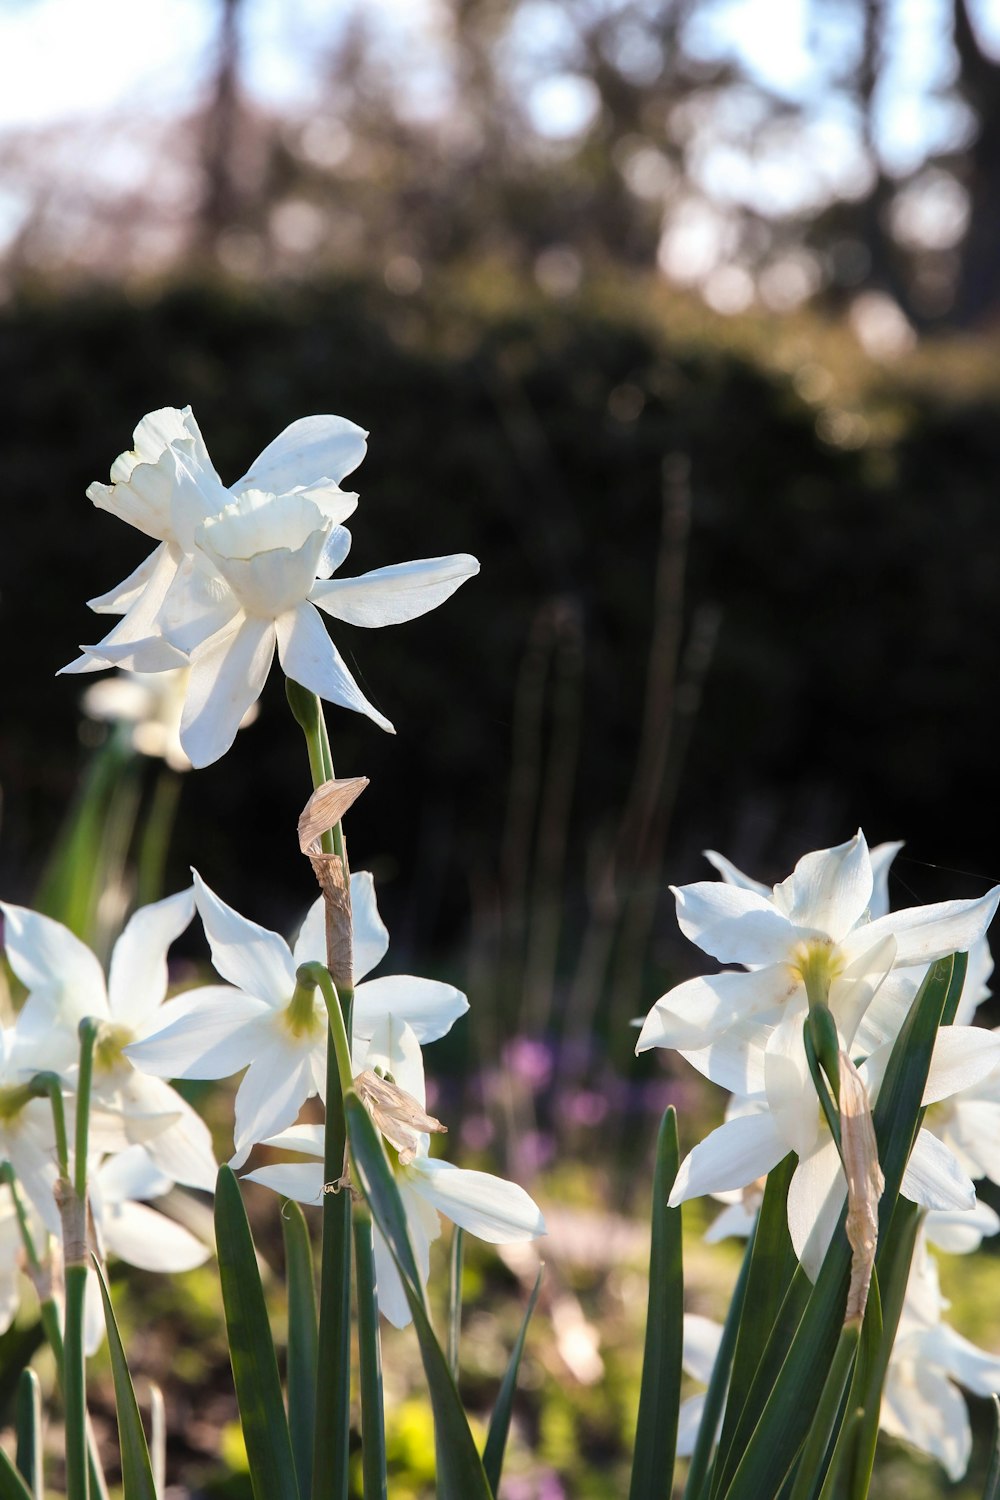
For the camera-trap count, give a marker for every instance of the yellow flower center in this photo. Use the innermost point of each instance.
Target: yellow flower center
(817, 963)
(303, 1016)
(108, 1052)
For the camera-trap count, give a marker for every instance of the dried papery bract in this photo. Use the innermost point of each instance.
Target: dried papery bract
(400, 1117)
(865, 1184)
(322, 812)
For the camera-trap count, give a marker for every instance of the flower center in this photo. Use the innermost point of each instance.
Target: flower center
(817, 963)
(302, 1016)
(13, 1100)
(108, 1051)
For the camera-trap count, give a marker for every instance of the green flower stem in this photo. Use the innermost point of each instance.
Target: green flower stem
(333, 1388)
(828, 1105)
(370, 1349)
(72, 1198)
(49, 1085)
(338, 1009)
(455, 1299)
(308, 714)
(825, 1421)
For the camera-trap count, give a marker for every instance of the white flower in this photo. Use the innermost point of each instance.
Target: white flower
(816, 923)
(152, 704)
(497, 1211)
(66, 983)
(244, 574)
(167, 485)
(920, 1403)
(125, 1226)
(264, 1024)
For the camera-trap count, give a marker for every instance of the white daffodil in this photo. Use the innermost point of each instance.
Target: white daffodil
(27, 1136)
(782, 1114)
(266, 1024)
(495, 1210)
(167, 485)
(920, 1402)
(699, 1351)
(968, 1123)
(151, 704)
(814, 927)
(126, 1227)
(12, 1256)
(65, 983)
(239, 574)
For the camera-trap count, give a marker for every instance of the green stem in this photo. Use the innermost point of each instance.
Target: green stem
(333, 1383)
(88, 1036)
(370, 1350)
(338, 1010)
(308, 714)
(50, 1085)
(73, 1208)
(455, 1299)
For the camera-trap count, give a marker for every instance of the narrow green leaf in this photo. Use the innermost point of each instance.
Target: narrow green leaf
(251, 1350)
(12, 1486)
(660, 1392)
(137, 1474)
(776, 1295)
(460, 1473)
(29, 1431)
(455, 1298)
(715, 1396)
(373, 1460)
(303, 1341)
(812, 1463)
(333, 1376)
(496, 1437)
(787, 1404)
(992, 1490)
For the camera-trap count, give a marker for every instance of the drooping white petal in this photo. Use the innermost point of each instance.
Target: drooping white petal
(150, 1240)
(976, 988)
(933, 1177)
(274, 1088)
(205, 1033)
(308, 656)
(735, 1060)
(688, 1423)
(228, 674)
(310, 945)
(963, 1056)
(429, 1006)
(922, 1407)
(183, 1152)
(829, 890)
(734, 925)
(700, 1346)
(791, 1097)
(301, 1180)
(389, 596)
(731, 1156)
(252, 957)
(423, 1227)
(137, 981)
(959, 1232)
(926, 933)
(882, 857)
(498, 1211)
(371, 938)
(117, 600)
(697, 1012)
(128, 1174)
(735, 1220)
(853, 991)
(732, 876)
(335, 550)
(309, 1139)
(310, 452)
(816, 1196)
(60, 973)
(976, 1369)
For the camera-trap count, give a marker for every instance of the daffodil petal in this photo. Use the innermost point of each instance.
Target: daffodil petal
(228, 674)
(933, 1177)
(309, 451)
(205, 1033)
(309, 657)
(731, 1156)
(137, 980)
(734, 925)
(253, 958)
(389, 596)
(429, 1006)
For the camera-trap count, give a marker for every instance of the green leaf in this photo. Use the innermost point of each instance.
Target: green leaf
(790, 1401)
(455, 1259)
(660, 1392)
(29, 1431)
(715, 1395)
(776, 1294)
(373, 1460)
(251, 1350)
(12, 1486)
(992, 1490)
(303, 1341)
(496, 1438)
(137, 1474)
(460, 1475)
